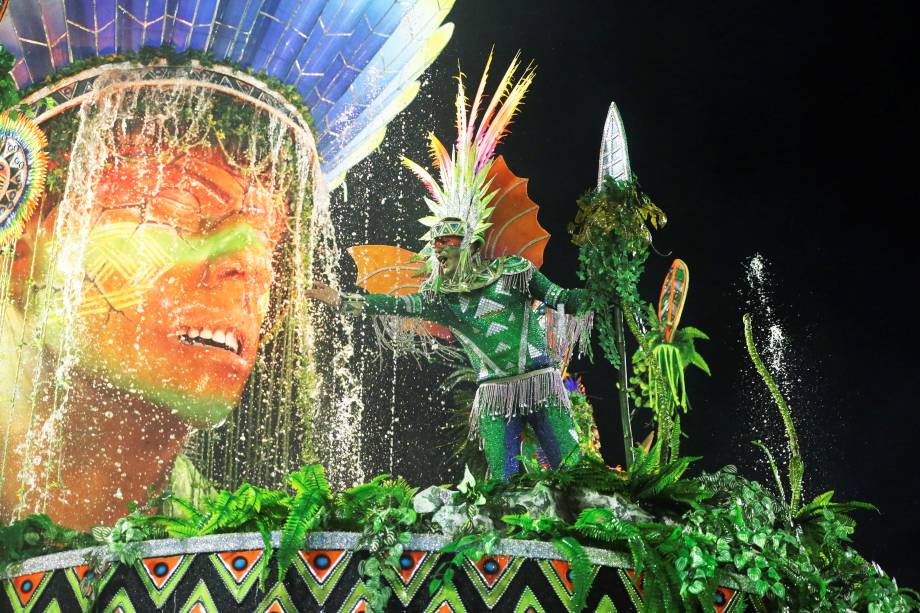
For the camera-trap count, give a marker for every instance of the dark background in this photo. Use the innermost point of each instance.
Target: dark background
(784, 129)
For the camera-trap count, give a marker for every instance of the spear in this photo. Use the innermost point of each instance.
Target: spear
(614, 162)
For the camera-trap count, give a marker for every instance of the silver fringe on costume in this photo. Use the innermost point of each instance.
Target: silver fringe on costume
(408, 336)
(565, 332)
(517, 395)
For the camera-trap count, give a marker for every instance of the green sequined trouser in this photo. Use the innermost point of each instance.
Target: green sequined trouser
(551, 422)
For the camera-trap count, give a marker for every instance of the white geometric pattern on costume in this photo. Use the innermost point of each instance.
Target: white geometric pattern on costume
(502, 347)
(464, 303)
(503, 286)
(483, 358)
(487, 307)
(534, 352)
(495, 328)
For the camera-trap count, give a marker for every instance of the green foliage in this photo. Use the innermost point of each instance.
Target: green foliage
(613, 238)
(684, 535)
(306, 510)
(37, 535)
(473, 546)
(682, 353)
(796, 465)
(9, 93)
(383, 508)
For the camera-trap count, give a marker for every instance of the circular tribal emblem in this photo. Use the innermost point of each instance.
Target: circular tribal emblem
(23, 164)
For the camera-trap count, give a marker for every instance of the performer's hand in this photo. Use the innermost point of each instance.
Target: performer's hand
(321, 291)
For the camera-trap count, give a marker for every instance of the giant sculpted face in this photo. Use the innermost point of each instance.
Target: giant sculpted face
(178, 270)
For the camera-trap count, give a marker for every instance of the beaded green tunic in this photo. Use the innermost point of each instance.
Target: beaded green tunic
(515, 347)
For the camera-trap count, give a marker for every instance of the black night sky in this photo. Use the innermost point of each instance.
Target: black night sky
(760, 127)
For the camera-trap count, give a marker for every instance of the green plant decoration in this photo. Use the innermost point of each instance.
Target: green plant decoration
(610, 230)
(9, 93)
(796, 465)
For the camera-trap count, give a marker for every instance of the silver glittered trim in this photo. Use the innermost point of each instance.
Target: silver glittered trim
(316, 540)
(325, 540)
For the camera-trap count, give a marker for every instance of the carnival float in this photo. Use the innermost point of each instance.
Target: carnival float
(180, 404)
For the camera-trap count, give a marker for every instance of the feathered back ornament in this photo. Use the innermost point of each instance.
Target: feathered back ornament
(461, 197)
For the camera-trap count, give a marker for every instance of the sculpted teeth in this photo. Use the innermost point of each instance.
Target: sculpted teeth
(218, 337)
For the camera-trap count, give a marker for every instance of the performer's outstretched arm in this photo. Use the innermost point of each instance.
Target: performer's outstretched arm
(544, 290)
(407, 305)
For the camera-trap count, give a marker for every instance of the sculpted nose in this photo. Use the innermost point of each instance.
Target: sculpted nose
(246, 266)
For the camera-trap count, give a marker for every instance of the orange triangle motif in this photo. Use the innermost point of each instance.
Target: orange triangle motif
(562, 570)
(198, 608)
(160, 570)
(491, 568)
(275, 607)
(727, 595)
(239, 563)
(445, 607)
(81, 571)
(26, 585)
(361, 607)
(321, 562)
(406, 574)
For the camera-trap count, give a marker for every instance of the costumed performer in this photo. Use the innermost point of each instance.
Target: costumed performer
(488, 305)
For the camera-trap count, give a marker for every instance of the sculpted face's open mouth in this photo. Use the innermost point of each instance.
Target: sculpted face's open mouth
(227, 340)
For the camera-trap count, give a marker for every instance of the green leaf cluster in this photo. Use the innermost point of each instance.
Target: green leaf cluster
(613, 238)
(37, 535)
(9, 93)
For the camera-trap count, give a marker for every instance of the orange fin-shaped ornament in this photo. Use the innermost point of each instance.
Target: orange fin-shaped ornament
(515, 229)
(384, 269)
(673, 296)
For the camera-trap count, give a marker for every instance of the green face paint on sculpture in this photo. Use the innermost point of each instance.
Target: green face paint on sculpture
(146, 288)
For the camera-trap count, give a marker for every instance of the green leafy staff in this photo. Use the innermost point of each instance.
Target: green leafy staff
(610, 229)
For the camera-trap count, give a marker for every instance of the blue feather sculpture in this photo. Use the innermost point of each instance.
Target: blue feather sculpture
(356, 63)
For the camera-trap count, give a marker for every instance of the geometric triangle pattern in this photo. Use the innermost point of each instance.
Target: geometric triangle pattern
(606, 605)
(239, 570)
(86, 585)
(121, 603)
(414, 568)
(24, 590)
(488, 307)
(559, 575)
(446, 600)
(528, 603)
(161, 575)
(321, 570)
(491, 575)
(53, 607)
(277, 601)
(633, 586)
(328, 580)
(356, 601)
(200, 601)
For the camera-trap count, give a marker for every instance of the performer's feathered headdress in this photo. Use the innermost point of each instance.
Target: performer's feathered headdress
(460, 199)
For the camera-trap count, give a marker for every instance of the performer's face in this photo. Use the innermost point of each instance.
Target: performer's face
(177, 275)
(448, 254)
